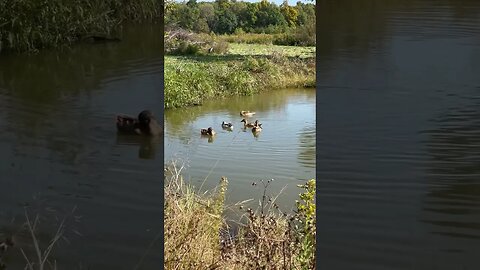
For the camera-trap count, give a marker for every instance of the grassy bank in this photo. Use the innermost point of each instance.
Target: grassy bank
(33, 25)
(196, 232)
(244, 70)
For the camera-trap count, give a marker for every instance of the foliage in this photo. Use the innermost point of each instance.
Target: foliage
(250, 38)
(272, 50)
(32, 25)
(225, 21)
(190, 81)
(181, 42)
(290, 13)
(307, 225)
(225, 16)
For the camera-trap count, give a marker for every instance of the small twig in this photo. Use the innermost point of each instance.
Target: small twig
(35, 242)
(26, 258)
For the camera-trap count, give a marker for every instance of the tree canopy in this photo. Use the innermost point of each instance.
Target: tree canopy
(228, 16)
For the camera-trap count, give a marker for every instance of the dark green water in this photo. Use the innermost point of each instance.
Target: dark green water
(284, 150)
(59, 149)
(399, 149)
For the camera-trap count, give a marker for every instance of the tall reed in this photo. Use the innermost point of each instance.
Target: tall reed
(27, 25)
(197, 235)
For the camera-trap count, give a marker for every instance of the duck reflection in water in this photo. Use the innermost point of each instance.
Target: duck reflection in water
(209, 137)
(146, 145)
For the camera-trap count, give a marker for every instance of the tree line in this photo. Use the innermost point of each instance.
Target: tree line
(230, 16)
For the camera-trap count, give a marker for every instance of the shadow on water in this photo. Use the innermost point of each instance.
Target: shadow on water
(147, 146)
(59, 145)
(453, 170)
(398, 150)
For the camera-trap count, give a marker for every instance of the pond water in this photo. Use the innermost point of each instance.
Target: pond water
(399, 150)
(284, 150)
(59, 151)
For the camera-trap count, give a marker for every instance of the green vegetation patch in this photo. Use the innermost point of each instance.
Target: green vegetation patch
(191, 80)
(262, 49)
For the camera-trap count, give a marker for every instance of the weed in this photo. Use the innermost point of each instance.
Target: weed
(197, 235)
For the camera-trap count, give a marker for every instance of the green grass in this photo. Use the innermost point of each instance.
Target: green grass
(263, 49)
(248, 38)
(245, 70)
(299, 36)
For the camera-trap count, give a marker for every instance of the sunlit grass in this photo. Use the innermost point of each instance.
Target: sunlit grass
(191, 80)
(263, 49)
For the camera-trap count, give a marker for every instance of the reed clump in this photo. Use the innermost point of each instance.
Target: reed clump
(33, 25)
(192, 223)
(197, 234)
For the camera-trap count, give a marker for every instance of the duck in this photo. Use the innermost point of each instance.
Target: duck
(246, 124)
(257, 127)
(144, 124)
(256, 123)
(247, 113)
(207, 131)
(226, 125)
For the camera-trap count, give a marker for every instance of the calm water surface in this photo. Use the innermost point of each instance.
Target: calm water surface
(399, 145)
(59, 150)
(284, 150)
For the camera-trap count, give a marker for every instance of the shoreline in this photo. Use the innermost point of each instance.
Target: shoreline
(189, 81)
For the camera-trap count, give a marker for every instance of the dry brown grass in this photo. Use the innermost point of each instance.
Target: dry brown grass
(196, 231)
(192, 224)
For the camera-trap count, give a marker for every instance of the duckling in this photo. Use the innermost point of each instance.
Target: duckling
(246, 124)
(247, 113)
(226, 125)
(207, 131)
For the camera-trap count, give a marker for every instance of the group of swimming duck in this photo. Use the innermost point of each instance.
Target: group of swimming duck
(255, 126)
(146, 124)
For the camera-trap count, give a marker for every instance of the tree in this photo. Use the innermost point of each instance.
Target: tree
(269, 14)
(225, 22)
(289, 13)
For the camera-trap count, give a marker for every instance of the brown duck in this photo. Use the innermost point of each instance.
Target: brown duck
(145, 124)
(207, 131)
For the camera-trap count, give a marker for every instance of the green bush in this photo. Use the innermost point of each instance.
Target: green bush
(306, 230)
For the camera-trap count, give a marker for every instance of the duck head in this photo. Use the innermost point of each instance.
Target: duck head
(148, 124)
(145, 117)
